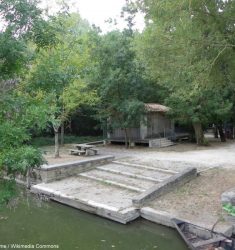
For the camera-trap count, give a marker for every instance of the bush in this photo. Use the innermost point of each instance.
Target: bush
(19, 160)
(50, 141)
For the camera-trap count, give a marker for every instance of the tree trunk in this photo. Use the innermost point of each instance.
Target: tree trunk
(57, 146)
(199, 133)
(70, 126)
(216, 132)
(129, 138)
(221, 133)
(62, 135)
(126, 138)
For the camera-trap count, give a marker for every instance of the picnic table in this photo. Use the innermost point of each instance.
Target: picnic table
(84, 149)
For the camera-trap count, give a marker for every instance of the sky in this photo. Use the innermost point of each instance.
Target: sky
(97, 12)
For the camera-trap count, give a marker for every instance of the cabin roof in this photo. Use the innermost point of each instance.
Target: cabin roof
(155, 107)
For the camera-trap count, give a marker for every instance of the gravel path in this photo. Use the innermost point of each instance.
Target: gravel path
(216, 155)
(177, 157)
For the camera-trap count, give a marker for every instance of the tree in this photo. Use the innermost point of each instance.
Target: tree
(188, 46)
(60, 71)
(19, 112)
(119, 80)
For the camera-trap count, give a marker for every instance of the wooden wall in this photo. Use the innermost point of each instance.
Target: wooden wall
(134, 133)
(157, 125)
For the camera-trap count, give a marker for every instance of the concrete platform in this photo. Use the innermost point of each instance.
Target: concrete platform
(107, 190)
(91, 196)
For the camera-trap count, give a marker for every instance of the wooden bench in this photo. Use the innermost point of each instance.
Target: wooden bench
(77, 152)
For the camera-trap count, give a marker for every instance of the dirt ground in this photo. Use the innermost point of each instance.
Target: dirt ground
(216, 155)
(198, 200)
(48, 153)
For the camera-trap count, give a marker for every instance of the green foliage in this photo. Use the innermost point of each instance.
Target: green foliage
(131, 112)
(119, 80)
(19, 111)
(19, 19)
(68, 139)
(12, 136)
(18, 114)
(20, 16)
(12, 55)
(43, 34)
(19, 160)
(78, 93)
(188, 47)
(230, 209)
(60, 71)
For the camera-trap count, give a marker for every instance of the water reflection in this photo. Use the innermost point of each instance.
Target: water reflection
(35, 221)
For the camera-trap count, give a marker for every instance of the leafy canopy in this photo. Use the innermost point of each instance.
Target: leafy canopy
(188, 47)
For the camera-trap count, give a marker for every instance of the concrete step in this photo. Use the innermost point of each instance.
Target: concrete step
(167, 144)
(128, 174)
(110, 181)
(162, 142)
(163, 139)
(119, 180)
(166, 141)
(136, 172)
(168, 171)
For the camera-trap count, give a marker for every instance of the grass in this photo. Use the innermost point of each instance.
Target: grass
(68, 139)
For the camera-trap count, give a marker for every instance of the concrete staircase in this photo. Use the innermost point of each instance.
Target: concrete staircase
(133, 178)
(107, 190)
(116, 190)
(160, 143)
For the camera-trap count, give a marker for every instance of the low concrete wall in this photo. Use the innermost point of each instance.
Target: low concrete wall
(159, 217)
(165, 186)
(49, 173)
(165, 219)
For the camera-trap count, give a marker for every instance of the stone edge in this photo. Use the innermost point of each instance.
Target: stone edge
(165, 186)
(76, 163)
(165, 219)
(122, 216)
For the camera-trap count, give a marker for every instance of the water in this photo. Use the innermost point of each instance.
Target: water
(48, 223)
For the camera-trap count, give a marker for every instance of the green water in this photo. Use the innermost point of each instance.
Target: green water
(48, 223)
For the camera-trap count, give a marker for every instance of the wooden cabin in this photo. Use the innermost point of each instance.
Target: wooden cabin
(156, 125)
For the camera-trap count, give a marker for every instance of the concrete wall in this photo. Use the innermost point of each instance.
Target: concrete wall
(49, 173)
